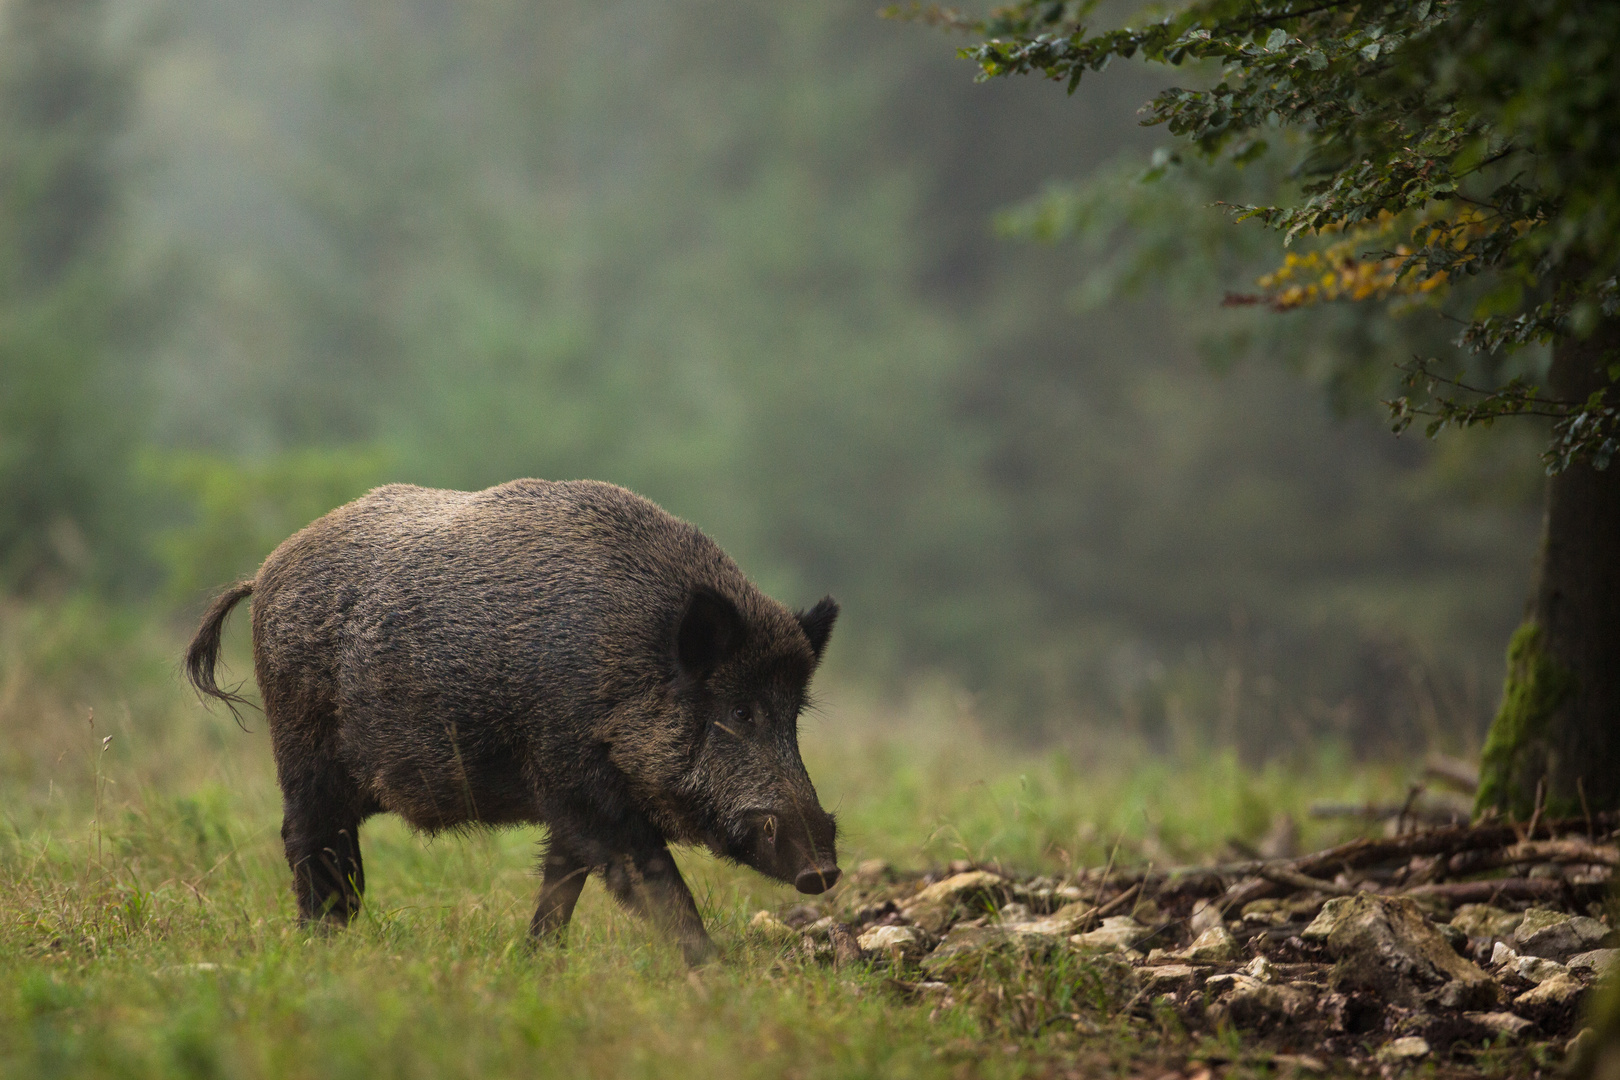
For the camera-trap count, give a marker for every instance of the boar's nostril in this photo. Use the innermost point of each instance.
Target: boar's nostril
(817, 879)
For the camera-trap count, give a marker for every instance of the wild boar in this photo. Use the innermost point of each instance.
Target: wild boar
(565, 654)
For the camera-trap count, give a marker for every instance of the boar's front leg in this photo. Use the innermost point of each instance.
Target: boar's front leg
(647, 882)
(565, 875)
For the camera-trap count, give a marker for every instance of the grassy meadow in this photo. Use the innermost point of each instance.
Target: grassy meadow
(147, 928)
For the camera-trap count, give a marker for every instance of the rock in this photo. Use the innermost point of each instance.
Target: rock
(1386, 945)
(1529, 968)
(1262, 969)
(1499, 1023)
(892, 940)
(1167, 977)
(1485, 921)
(1252, 1004)
(937, 906)
(1599, 962)
(1056, 927)
(1580, 1044)
(801, 915)
(1276, 912)
(1213, 946)
(1556, 935)
(1402, 1051)
(1017, 921)
(1298, 1063)
(1116, 932)
(963, 943)
(1205, 914)
(845, 948)
(1556, 992)
(770, 926)
(1070, 915)
(1535, 969)
(1230, 981)
(819, 929)
(1267, 912)
(816, 950)
(1455, 937)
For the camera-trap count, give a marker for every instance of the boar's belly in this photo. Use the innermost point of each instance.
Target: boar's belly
(445, 784)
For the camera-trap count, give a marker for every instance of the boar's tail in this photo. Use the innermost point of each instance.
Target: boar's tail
(202, 656)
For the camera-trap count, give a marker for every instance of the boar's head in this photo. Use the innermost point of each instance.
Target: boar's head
(743, 682)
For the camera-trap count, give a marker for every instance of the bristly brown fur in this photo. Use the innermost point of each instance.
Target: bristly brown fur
(556, 653)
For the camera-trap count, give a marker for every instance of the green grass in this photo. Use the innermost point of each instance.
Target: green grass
(147, 930)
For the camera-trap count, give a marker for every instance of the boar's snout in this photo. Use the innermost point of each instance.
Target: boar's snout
(817, 879)
(797, 846)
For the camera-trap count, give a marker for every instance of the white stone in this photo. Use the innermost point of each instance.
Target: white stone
(883, 939)
(1558, 990)
(1116, 932)
(1213, 946)
(1503, 1023)
(1409, 1048)
(1262, 969)
(1205, 914)
(1599, 961)
(768, 924)
(1556, 935)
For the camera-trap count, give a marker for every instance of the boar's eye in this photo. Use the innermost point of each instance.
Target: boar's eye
(739, 722)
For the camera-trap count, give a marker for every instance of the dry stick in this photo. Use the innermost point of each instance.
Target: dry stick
(1487, 892)
(1283, 876)
(1564, 852)
(1360, 853)
(1461, 773)
(1116, 903)
(1406, 808)
(1097, 898)
(1535, 815)
(1355, 854)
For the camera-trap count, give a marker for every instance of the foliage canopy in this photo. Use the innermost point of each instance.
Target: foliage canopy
(1433, 143)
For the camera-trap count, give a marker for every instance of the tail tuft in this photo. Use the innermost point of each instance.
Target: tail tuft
(202, 655)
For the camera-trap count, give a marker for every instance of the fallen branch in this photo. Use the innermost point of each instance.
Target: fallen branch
(1463, 774)
(1281, 875)
(1488, 892)
(1535, 852)
(1238, 883)
(1431, 815)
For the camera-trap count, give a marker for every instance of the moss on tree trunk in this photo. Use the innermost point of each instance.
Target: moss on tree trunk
(1516, 750)
(1558, 729)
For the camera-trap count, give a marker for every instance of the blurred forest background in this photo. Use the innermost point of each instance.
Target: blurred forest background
(743, 258)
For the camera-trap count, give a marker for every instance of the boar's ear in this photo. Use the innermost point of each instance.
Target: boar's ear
(818, 624)
(710, 630)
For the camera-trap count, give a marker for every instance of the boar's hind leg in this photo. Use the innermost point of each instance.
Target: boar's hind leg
(565, 875)
(648, 883)
(320, 827)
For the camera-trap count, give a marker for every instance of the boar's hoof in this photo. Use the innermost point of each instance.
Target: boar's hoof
(817, 879)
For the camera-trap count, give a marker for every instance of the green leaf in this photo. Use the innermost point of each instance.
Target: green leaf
(1276, 39)
(1317, 59)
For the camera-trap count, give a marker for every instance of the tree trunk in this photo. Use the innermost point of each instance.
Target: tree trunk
(1558, 729)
